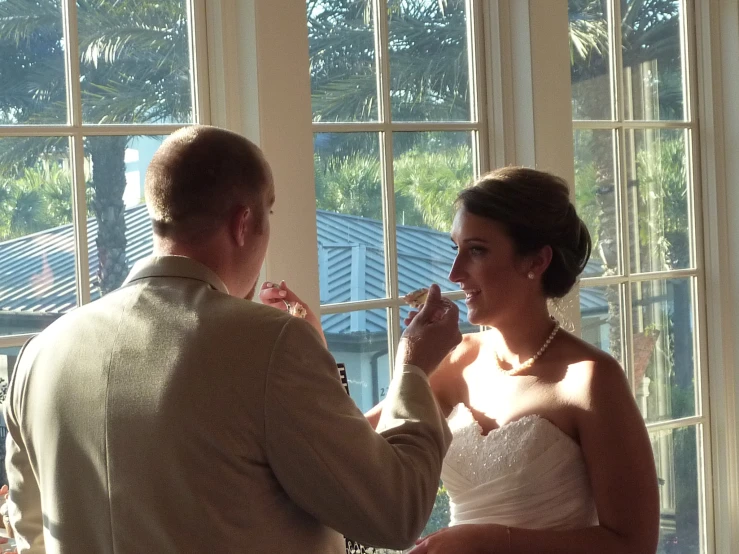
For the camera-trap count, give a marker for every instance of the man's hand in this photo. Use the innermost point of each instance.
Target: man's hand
(279, 296)
(432, 334)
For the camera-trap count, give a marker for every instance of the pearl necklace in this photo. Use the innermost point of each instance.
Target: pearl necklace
(520, 368)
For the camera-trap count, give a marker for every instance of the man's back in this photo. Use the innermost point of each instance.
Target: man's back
(154, 421)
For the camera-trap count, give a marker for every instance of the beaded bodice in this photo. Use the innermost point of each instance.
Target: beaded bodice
(527, 473)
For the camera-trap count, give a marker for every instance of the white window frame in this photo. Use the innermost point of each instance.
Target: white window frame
(717, 32)
(76, 130)
(385, 127)
(253, 79)
(626, 278)
(260, 86)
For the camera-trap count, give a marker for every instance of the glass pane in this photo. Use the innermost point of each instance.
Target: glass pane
(429, 73)
(590, 61)
(32, 88)
(342, 60)
(657, 197)
(600, 310)
(430, 169)
(37, 254)
(351, 255)
(358, 339)
(676, 454)
(441, 514)
(664, 359)
(652, 59)
(118, 229)
(595, 192)
(8, 356)
(135, 62)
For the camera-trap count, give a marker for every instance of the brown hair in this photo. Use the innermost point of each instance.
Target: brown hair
(535, 209)
(197, 177)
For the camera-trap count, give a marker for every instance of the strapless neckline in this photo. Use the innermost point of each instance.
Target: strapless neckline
(518, 422)
(525, 473)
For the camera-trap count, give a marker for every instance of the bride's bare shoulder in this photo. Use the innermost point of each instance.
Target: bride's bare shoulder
(465, 353)
(450, 369)
(588, 368)
(579, 354)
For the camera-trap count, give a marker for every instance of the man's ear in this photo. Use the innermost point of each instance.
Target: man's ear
(241, 224)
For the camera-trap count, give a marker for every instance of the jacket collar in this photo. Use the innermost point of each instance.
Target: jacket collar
(175, 266)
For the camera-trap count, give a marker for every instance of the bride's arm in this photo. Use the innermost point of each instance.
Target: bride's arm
(441, 383)
(374, 413)
(619, 461)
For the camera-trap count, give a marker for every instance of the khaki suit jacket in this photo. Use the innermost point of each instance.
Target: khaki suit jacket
(170, 417)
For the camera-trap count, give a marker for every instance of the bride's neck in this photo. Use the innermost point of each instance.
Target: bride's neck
(519, 337)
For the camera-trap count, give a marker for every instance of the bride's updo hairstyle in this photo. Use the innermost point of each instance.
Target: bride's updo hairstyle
(535, 209)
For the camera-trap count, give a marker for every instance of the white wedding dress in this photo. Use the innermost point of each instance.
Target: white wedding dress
(527, 474)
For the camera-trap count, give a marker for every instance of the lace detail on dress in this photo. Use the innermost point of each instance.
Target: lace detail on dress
(527, 473)
(482, 458)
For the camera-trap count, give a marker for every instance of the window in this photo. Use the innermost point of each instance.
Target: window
(398, 132)
(635, 164)
(89, 90)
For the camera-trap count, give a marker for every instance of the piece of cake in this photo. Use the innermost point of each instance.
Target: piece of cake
(296, 309)
(417, 298)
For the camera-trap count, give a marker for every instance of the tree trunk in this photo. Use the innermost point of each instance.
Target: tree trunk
(109, 183)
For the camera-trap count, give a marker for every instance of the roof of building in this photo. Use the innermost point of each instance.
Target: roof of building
(37, 271)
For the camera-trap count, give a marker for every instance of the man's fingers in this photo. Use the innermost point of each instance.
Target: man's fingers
(433, 302)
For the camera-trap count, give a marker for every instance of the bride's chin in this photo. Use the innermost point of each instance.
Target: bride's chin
(475, 317)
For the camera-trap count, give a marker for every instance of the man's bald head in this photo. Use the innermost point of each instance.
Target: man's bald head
(197, 177)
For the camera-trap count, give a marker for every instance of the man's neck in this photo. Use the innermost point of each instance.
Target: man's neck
(209, 253)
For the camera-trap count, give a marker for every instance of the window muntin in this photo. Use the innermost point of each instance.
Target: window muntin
(72, 188)
(397, 134)
(641, 293)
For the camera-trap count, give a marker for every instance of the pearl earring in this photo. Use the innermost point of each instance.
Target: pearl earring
(531, 275)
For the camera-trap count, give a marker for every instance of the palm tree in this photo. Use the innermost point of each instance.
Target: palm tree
(134, 63)
(429, 76)
(36, 198)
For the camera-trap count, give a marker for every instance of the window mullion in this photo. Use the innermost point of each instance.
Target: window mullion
(616, 52)
(688, 53)
(76, 150)
(621, 189)
(72, 63)
(386, 163)
(476, 65)
(197, 29)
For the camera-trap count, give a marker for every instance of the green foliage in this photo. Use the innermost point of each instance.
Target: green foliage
(349, 185)
(663, 202)
(36, 198)
(441, 513)
(588, 31)
(426, 185)
(427, 48)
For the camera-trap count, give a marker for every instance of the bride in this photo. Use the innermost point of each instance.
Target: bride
(550, 453)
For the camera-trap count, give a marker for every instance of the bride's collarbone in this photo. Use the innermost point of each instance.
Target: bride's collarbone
(498, 401)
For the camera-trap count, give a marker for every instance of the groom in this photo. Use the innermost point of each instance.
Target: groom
(173, 415)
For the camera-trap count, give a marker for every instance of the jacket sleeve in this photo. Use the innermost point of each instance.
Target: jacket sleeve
(24, 500)
(374, 487)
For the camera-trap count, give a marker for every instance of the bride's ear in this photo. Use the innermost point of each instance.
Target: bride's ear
(538, 262)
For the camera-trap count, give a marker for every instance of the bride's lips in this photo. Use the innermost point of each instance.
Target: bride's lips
(470, 295)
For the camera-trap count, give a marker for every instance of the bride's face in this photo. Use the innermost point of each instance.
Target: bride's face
(487, 268)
